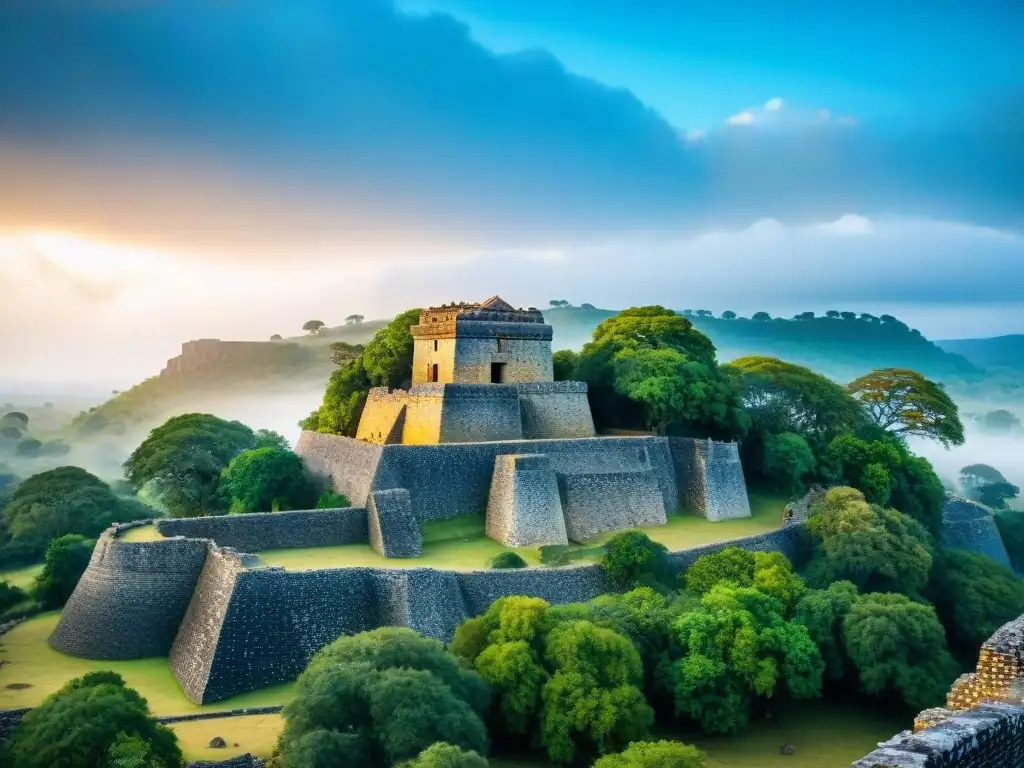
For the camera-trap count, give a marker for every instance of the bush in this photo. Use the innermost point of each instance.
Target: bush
(769, 572)
(554, 554)
(267, 480)
(632, 559)
(10, 595)
(507, 560)
(655, 754)
(331, 500)
(87, 721)
(380, 698)
(67, 557)
(446, 756)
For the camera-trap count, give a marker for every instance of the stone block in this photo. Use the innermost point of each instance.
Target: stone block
(394, 531)
(524, 508)
(598, 502)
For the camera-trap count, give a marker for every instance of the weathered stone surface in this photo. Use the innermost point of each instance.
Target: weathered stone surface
(394, 531)
(612, 500)
(131, 598)
(524, 508)
(969, 526)
(274, 530)
(710, 478)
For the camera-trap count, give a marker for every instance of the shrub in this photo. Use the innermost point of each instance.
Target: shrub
(266, 479)
(554, 554)
(80, 725)
(632, 559)
(10, 595)
(655, 754)
(507, 560)
(330, 500)
(446, 756)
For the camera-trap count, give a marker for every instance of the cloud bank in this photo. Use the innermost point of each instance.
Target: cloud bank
(276, 127)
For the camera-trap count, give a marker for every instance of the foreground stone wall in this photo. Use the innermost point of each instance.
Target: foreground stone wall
(131, 598)
(982, 725)
(970, 526)
(274, 530)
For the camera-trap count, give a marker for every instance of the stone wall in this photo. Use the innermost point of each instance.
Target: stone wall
(348, 466)
(555, 410)
(524, 508)
(970, 526)
(394, 531)
(525, 349)
(711, 479)
(274, 530)
(131, 598)
(383, 417)
(472, 414)
(598, 502)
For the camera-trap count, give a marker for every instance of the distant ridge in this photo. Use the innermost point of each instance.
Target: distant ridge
(211, 370)
(995, 352)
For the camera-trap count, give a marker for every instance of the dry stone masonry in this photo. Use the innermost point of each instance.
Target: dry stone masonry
(524, 508)
(394, 531)
(982, 724)
(972, 527)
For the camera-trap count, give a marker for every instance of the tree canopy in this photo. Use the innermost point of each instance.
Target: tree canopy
(66, 559)
(313, 326)
(267, 480)
(443, 755)
(180, 463)
(906, 403)
(88, 721)
(382, 698)
(58, 502)
(655, 754)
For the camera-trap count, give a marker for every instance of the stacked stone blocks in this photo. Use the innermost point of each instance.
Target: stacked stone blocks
(598, 502)
(394, 531)
(524, 508)
(970, 526)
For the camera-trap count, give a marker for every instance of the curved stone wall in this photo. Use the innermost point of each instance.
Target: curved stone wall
(131, 599)
(969, 526)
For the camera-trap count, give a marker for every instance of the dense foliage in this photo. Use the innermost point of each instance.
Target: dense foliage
(385, 362)
(443, 755)
(573, 686)
(267, 479)
(655, 754)
(907, 403)
(89, 722)
(631, 559)
(66, 559)
(382, 698)
(507, 559)
(179, 464)
(58, 502)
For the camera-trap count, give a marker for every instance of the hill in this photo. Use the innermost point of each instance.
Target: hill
(273, 383)
(842, 348)
(997, 352)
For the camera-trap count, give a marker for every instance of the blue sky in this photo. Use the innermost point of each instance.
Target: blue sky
(339, 156)
(699, 62)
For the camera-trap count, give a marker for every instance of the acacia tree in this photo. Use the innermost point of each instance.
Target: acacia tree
(313, 327)
(906, 403)
(354, 319)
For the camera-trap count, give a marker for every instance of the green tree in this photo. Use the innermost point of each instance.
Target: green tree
(906, 403)
(761, 316)
(80, 725)
(973, 596)
(655, 754)
(564, 362)
(728, 315)
(1000, 421)
(343, 401)
(769, 572)
(632, 559)
(342, 352)
(446, 756)
(736, 648)
(877, 549)
(180, 463)
(132, 752)
(574, 684)
(1010, 523)
(388, 356)
(265, 480)
(268, 438)
(67, 557)
(996, 495)
(10, 595)
(328, 499)
(898, 645)
(381, 698)
(58, 502)
(822, 611)
(784, 397)
(313, 327)
(788, 459)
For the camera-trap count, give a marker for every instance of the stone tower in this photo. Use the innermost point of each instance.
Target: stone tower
(486, 343)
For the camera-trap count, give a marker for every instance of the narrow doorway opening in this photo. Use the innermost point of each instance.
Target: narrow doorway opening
(433, 372)
(497, 373)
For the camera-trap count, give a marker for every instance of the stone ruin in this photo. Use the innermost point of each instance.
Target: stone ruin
(971, 526)
(982, 724)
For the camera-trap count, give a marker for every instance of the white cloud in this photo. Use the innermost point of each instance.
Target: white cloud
(746, 117)
(773, 105)
(850, 224)
(693, 135)
(824, 114)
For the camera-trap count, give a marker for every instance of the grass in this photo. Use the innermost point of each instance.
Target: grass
(461, 544)
(255, 734)
(27, 658)
(826, 734)
(22, 577)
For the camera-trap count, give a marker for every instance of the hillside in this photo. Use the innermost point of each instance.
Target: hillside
(997, 352)
(275, 383)
(840, 348)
